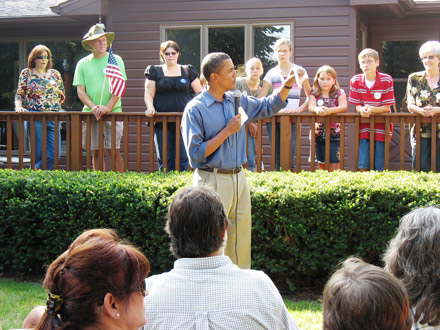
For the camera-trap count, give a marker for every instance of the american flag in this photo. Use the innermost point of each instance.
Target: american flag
(115, 77)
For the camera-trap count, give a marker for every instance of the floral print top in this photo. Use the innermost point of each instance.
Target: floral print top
(419, 93)
(329, 102)
(40, 94)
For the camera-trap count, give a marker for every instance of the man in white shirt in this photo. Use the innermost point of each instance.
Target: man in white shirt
(205, 290)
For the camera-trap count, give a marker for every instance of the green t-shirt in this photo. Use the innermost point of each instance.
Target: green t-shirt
(89, 72)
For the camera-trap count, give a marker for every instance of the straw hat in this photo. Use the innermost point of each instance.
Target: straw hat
(95, 32)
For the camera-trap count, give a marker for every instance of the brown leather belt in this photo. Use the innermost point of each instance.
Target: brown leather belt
(221, 171)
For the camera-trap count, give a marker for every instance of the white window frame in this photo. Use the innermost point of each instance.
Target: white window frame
(248, 33)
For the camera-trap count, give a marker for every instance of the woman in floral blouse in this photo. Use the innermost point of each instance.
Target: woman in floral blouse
(41, 88)
(423, 98)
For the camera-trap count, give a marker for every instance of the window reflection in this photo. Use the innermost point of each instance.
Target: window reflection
(189, 42)
(229, 40)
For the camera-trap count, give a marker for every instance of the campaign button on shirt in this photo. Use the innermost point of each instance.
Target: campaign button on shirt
(320, 103)
(183, 80)
(377, 95)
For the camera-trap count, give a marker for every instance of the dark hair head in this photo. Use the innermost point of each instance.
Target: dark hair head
(37, 51)
(413, 256)
(361, 296)
(165, 45)
(196, 222)
(95, 264)
(213, 63)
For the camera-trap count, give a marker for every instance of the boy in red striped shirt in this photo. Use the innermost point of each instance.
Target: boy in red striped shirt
(371, 92)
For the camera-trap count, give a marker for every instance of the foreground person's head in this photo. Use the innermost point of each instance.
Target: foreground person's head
(97, 283)
(361, 296)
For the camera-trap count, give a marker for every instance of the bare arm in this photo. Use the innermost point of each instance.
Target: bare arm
(85, 99)
(150, 92)
(196, 86)
(306, 88)
(264, 89)
(381, 109)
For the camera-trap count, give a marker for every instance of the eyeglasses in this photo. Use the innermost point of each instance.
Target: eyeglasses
(170, 53)
(368, 62)
(283, 51)
(39, 57)
(430, 57)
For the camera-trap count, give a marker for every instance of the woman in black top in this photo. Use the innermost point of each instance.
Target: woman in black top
(168, 88)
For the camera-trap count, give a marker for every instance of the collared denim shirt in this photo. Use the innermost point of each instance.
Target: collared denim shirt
(204, 117)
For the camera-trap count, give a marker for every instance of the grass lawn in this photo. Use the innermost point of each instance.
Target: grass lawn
(16, 301)
(18, 298)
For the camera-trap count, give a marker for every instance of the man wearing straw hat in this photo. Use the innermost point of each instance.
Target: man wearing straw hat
(97, 92)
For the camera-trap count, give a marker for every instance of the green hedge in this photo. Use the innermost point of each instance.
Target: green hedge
(303, 224)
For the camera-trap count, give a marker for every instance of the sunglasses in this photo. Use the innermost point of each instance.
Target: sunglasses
(170, 53)
(430, 57)
(39, 57)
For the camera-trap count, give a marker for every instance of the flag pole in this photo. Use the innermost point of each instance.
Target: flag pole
(103, 85)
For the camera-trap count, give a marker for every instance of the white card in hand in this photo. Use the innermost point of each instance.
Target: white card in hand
(243, 114)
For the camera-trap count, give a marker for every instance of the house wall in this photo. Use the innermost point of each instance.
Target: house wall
(324, 33)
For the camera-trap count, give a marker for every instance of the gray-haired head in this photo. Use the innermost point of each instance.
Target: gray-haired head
(413, 256)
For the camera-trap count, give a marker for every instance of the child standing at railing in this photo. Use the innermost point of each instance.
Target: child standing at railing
(327, 98)
(371, 92)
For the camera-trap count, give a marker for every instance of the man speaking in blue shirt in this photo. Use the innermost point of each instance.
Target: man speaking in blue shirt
(215, 141)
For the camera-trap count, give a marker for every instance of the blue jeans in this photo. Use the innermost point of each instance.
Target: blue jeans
(425, 154)
(277, 143)
(364, 155)
(252, 155)
(171, 149)
(320, 150)
(50, 147)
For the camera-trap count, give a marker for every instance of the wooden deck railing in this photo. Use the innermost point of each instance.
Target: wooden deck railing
(137, 141)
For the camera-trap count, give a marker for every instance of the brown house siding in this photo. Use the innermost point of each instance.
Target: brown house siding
(322, 32)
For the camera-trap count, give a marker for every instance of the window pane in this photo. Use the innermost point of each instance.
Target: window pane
(9, 70)
(400, 59)
(229, 40)
(264, 40)
(189, 42)
(65, 56)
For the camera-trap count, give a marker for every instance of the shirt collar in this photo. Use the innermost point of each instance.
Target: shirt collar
(209, 99)
(202, 263)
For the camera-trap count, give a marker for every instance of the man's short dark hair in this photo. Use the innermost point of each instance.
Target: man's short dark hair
(362, 296)
(196, 222)
(212, 63)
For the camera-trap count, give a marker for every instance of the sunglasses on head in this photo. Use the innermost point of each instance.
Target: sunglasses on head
(170, 53)
(39, 57)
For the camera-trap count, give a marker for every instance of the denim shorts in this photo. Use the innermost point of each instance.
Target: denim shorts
(364, 155)
(320, 150)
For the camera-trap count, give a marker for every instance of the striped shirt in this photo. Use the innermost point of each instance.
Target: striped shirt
(380, 94)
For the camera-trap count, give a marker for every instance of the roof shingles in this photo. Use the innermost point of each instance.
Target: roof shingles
(29, 8)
